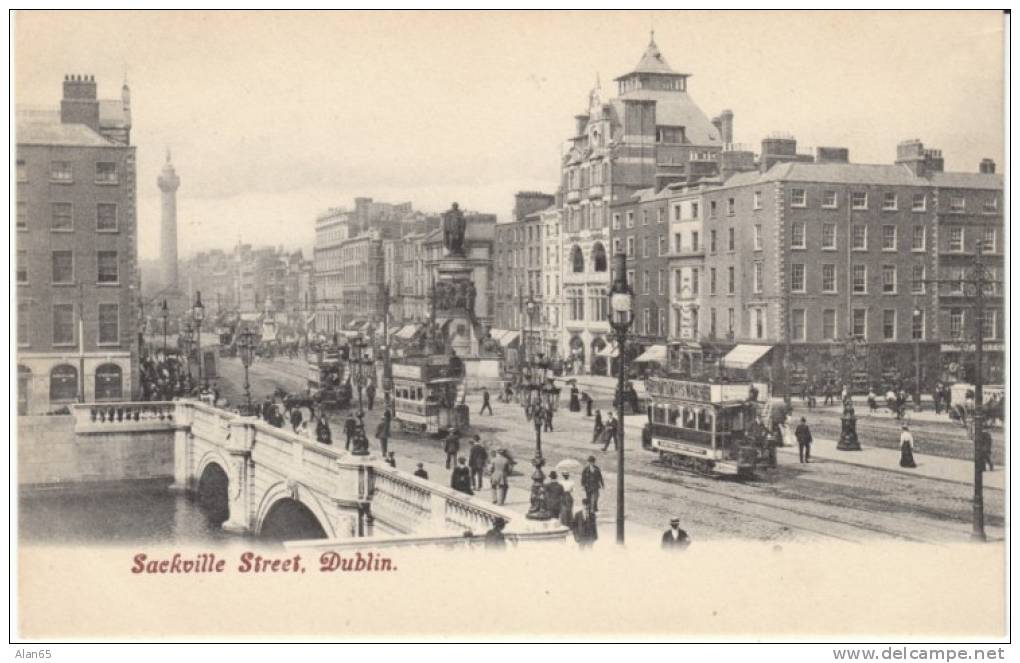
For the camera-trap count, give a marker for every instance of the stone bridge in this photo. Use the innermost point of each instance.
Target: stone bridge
(267, 481)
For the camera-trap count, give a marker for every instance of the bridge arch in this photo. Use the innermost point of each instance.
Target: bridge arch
(291, 511)
(214, 492)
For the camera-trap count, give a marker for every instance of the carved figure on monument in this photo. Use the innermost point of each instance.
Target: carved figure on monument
(472, 294)
(461, 300)
(454, 226)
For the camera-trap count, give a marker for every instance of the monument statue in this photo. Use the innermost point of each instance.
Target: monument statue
(472, 293)
(454, 226)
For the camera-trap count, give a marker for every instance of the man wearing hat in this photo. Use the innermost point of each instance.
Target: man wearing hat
(675, 537)
(421, 472)
(499, 471)
(591, 481)
(495, 538)
(804, 439)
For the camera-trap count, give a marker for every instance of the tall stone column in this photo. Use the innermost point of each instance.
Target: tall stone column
(168, 182)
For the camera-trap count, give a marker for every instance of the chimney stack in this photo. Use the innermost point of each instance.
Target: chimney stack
(80, 104)
(726, 126)
(987, 167)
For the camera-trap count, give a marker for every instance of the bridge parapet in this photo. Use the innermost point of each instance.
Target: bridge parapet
(107, 417)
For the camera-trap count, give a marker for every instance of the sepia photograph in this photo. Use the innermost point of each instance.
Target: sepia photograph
(520, 325)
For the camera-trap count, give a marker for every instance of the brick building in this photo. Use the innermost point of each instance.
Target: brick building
(76, 241)
(332, 228)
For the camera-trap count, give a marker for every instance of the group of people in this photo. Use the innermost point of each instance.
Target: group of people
(467, 474)
(301, 418)
(164, 377)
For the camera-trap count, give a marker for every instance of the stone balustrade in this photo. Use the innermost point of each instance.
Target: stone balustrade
(104, 417)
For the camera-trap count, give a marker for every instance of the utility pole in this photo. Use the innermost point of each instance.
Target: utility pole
(81, 342)
(387, 371)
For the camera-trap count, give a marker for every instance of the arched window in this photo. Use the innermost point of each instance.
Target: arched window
(598, 257)
(109, 382)
(63, 383)
(24, 387)
(577, 259)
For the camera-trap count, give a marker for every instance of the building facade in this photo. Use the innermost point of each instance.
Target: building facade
(332, 228)
(76, 240)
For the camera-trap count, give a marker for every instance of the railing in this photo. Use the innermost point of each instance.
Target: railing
(100, 417)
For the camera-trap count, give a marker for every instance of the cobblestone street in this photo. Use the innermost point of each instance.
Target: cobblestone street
(823, 500)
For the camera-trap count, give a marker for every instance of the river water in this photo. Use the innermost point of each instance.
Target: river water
(121, 513)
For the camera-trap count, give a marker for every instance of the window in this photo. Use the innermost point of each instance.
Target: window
(917, 325)
(859, 325)
(674, 135)
(711, 209)
(646, 282)
(106, 216)
(662, 282)
(630, 247)
(730, 321)
(859, 200)
(63, 383)
(62, 219)
(759, 277)
(956, 240)
(24, 335)
(798, 198)
(797, 277)
(617, 245)
(957, 203)
(757, 237)
(757, 200)
(828, 277)
(917, 240)
(660, 215)
(732, 288)
(919, 202)
(647, 321)
(732, 239)
(889, 324)
(956, 323)
(988, 324)
(860, 279)
(22, 171)
(711, 241)
(107, 267)
(22, 266)
(990, 205)
(829, 324)
(888, 238)
(106, 173)
(677, 212)
(860, 237)
(759, 323)
(798, 323)
(630, 219)
(644, 217)
(63, 267)
(917, 279)
(616, 222)
(678, 241)
(711, 280)
(109, 324)
(711, 322)
(989, 239)
(829, 236)
(798, 234)
(61, 172)
(731, 207)
(109, 382)
(694, 210)
(695, 281)
(889, 279)
(645, 252)
(22, 217)
(63, 324)
(829, 200)
(599, 258)
(889, 201)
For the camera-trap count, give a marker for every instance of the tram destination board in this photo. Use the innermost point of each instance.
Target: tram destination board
(679, 389)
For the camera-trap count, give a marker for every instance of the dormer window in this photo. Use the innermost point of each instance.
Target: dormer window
(670, 135)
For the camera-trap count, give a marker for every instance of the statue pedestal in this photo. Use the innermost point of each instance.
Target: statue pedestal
(456, 295)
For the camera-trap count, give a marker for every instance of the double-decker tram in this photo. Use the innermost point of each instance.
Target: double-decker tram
(428, 392)
(327, 378)
(705, 426)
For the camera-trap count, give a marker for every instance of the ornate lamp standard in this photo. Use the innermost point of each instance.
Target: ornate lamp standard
(164, 313)
(246, 348)
(848, 433)
(359, 369)
(542, 399)
(186, 340)
(621, 316)
(917, 332)
(198, 314)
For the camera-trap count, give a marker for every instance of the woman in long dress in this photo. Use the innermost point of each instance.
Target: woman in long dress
(575, 404)
(566, 514)
(907, 448)
(598, 428)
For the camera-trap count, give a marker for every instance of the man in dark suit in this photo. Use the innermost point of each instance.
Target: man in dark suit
(478, 458)
(350, 426)
(675, 538)
(553, 495)
(486, 405)
(421, 472)
(495, 538)
(591, 481)
(451, 446)
(803, 435)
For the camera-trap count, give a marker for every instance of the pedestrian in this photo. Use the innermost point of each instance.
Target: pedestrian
(349, 427)
(370, 394)
(499, 470)
(381, 431)
(494, 538)
(295, 418)
(575, 403)
(609, 435)
(675, 538)
(486, 405)
(322, 431)
(566, 514)
(588, 402)
(805, 393)
(553, 495)
(872, 401)
(907, 448)
(460, 478)
(451, 446)
(598, 429)
(804, 439)
(633, 397)
(591, 481)
(936, 396)
(478, 458)
(508, 393)
(391, 460)
(827, 392)
(547, 419)
(984, 445)
(421, 473)
(585, 525)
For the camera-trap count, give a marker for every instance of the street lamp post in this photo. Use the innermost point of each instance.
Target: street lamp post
(185, 338)
(359, 368)
(848, 433)
(621, 307)
(165, 314)
(917, 332)
(543, 398)
(198, 313)
(246, 348)
(387, 371)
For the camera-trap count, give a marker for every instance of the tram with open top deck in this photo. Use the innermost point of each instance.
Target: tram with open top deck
(708, 427)
(428, 394)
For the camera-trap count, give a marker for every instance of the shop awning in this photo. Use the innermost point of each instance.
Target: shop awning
(509, 337)
(656, 353)
(309, 320)
(745, 356)
(250, 316)
(357, 325)
(686, 345)
(408, 331)
(608, 351)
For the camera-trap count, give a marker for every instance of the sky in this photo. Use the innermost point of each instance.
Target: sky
(274, 117)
